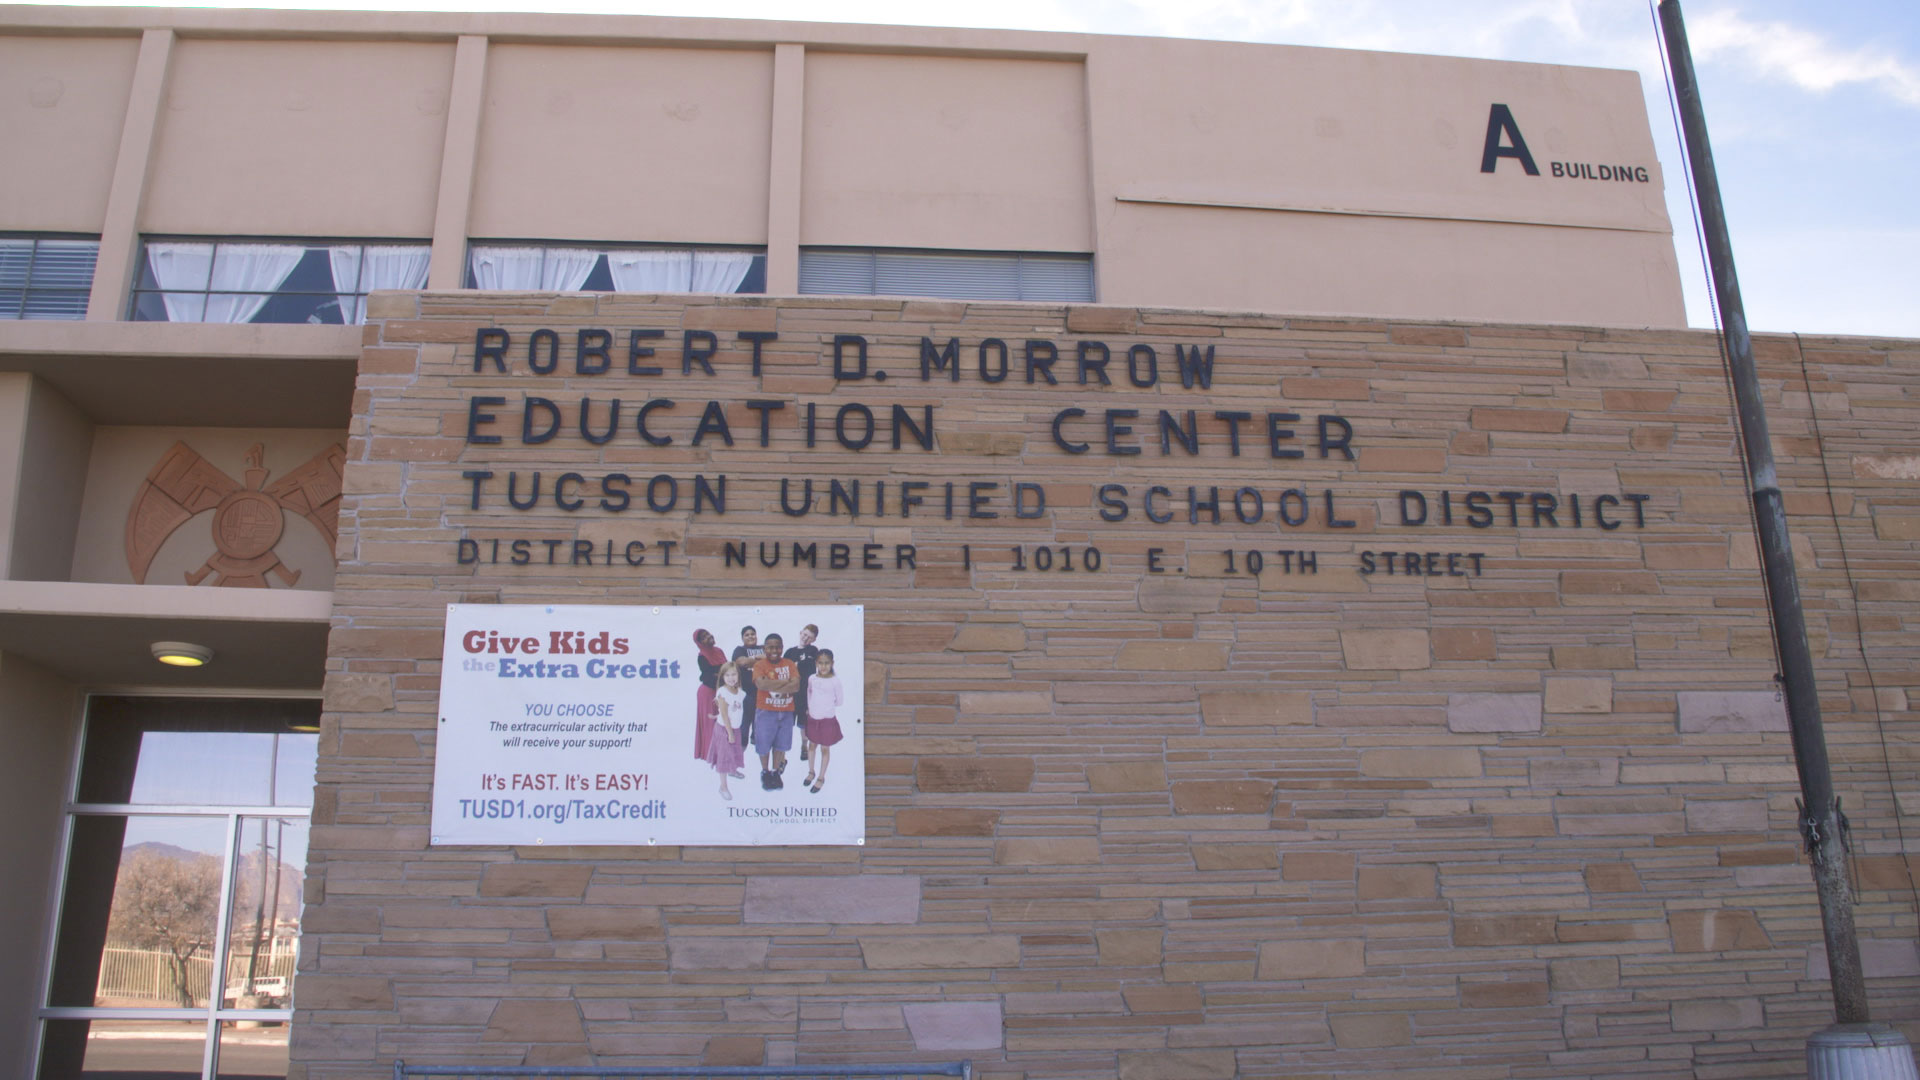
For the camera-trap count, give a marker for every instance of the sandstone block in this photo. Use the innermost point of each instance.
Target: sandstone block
(1047, 851)
(1418, 881)
(534, 879)
(1434, 762)
(382, 304)
(1886, 466)
(336, 1042)
(1361, 1031)
(1548, 421)
(1880, 958)
(998, 773)
(1715, 712)
(1716, 930)
(1584, 973)
(1551, 774)
(1896, 526)
(1235, 857)
(598, 923)
(1323, 959)
(1128, 948)
(1637, 400)
(1066, 1003)
(1094, 319)
(1179, 596)
(1178, 1065)
(1613, 877)
(1726, 1015)
(1608, 583)
(1463, 643)
(1490, 930)
(696, 953)
(844, 899)
(1256, 707)
(1222, 797)
(1325, 389)
(356, 692)
(1453, 336)
(1317, 866)
(934, 952)
(954, 1025)
(534, 1021)
(723, 1050)
(1172, 656)
(1125, 776)
(1578, 694)
(1493, 712)
(1162, 999)
(989, 637)
(345, 992)
(1726, 815)
(1593, 657)
(1006, 703)
(872, 1018)
(1386, 650)
(1503, 995)
(911, 821)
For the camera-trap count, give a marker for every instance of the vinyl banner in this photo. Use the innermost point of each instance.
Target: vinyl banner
(651, 725)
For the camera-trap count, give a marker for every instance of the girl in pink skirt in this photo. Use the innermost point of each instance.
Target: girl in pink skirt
(724, 752)
(824, 698)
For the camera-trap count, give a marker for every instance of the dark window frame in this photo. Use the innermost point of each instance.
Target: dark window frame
(754, 284)
(146, 299)
(19, 309)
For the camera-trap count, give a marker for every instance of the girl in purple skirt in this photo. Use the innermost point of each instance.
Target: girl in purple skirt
(724, 752)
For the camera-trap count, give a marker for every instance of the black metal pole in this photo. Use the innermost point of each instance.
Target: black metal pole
(1820, 821)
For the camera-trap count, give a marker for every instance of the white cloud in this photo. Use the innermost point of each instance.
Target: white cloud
(1801, 56)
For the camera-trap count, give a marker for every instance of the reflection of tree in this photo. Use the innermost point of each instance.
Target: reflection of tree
(169, 904)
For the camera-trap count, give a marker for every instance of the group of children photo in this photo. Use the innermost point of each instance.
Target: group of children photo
(761, 695)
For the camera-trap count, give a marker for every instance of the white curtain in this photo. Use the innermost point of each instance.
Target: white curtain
(719, 271)
(386, 266)
(242, 269)
(521, 269)
(184, 267)
(651, 271)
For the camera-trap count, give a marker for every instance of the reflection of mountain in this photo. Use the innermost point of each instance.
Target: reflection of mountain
(165, 851)
(247, 878)
(247, 895)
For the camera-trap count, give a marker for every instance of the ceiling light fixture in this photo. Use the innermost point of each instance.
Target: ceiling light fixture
(181, 653)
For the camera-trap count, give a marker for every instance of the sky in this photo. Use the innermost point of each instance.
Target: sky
(1815, 122)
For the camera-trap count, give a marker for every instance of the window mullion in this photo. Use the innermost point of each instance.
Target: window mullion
(217, 980)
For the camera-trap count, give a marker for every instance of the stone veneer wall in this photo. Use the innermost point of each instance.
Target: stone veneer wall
(1537, 823)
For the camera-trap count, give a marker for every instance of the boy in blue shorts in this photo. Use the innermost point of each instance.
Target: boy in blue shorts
(776, 679)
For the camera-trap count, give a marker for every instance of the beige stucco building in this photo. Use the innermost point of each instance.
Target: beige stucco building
(1505, 796)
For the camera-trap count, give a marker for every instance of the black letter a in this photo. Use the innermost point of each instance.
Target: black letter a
(1500, 121)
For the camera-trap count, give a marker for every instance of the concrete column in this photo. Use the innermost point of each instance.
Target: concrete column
(39, 718)
(783, 181)
(466, 101)
(114, 273)
(1094, 164)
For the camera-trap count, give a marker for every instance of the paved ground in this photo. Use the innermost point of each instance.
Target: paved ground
(162, 1052)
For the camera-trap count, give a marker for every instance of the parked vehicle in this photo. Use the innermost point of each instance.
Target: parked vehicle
(270, 991)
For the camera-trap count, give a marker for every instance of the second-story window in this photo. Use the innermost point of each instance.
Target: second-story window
(293, 281)
(562, 268)
(46, 277)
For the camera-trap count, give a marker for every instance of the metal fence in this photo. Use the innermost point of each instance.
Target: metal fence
(911, 1071)
(152, 973)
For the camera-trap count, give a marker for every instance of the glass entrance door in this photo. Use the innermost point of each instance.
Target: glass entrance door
(182, 894)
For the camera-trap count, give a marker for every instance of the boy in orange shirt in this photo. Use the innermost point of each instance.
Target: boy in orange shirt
(776, 679)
